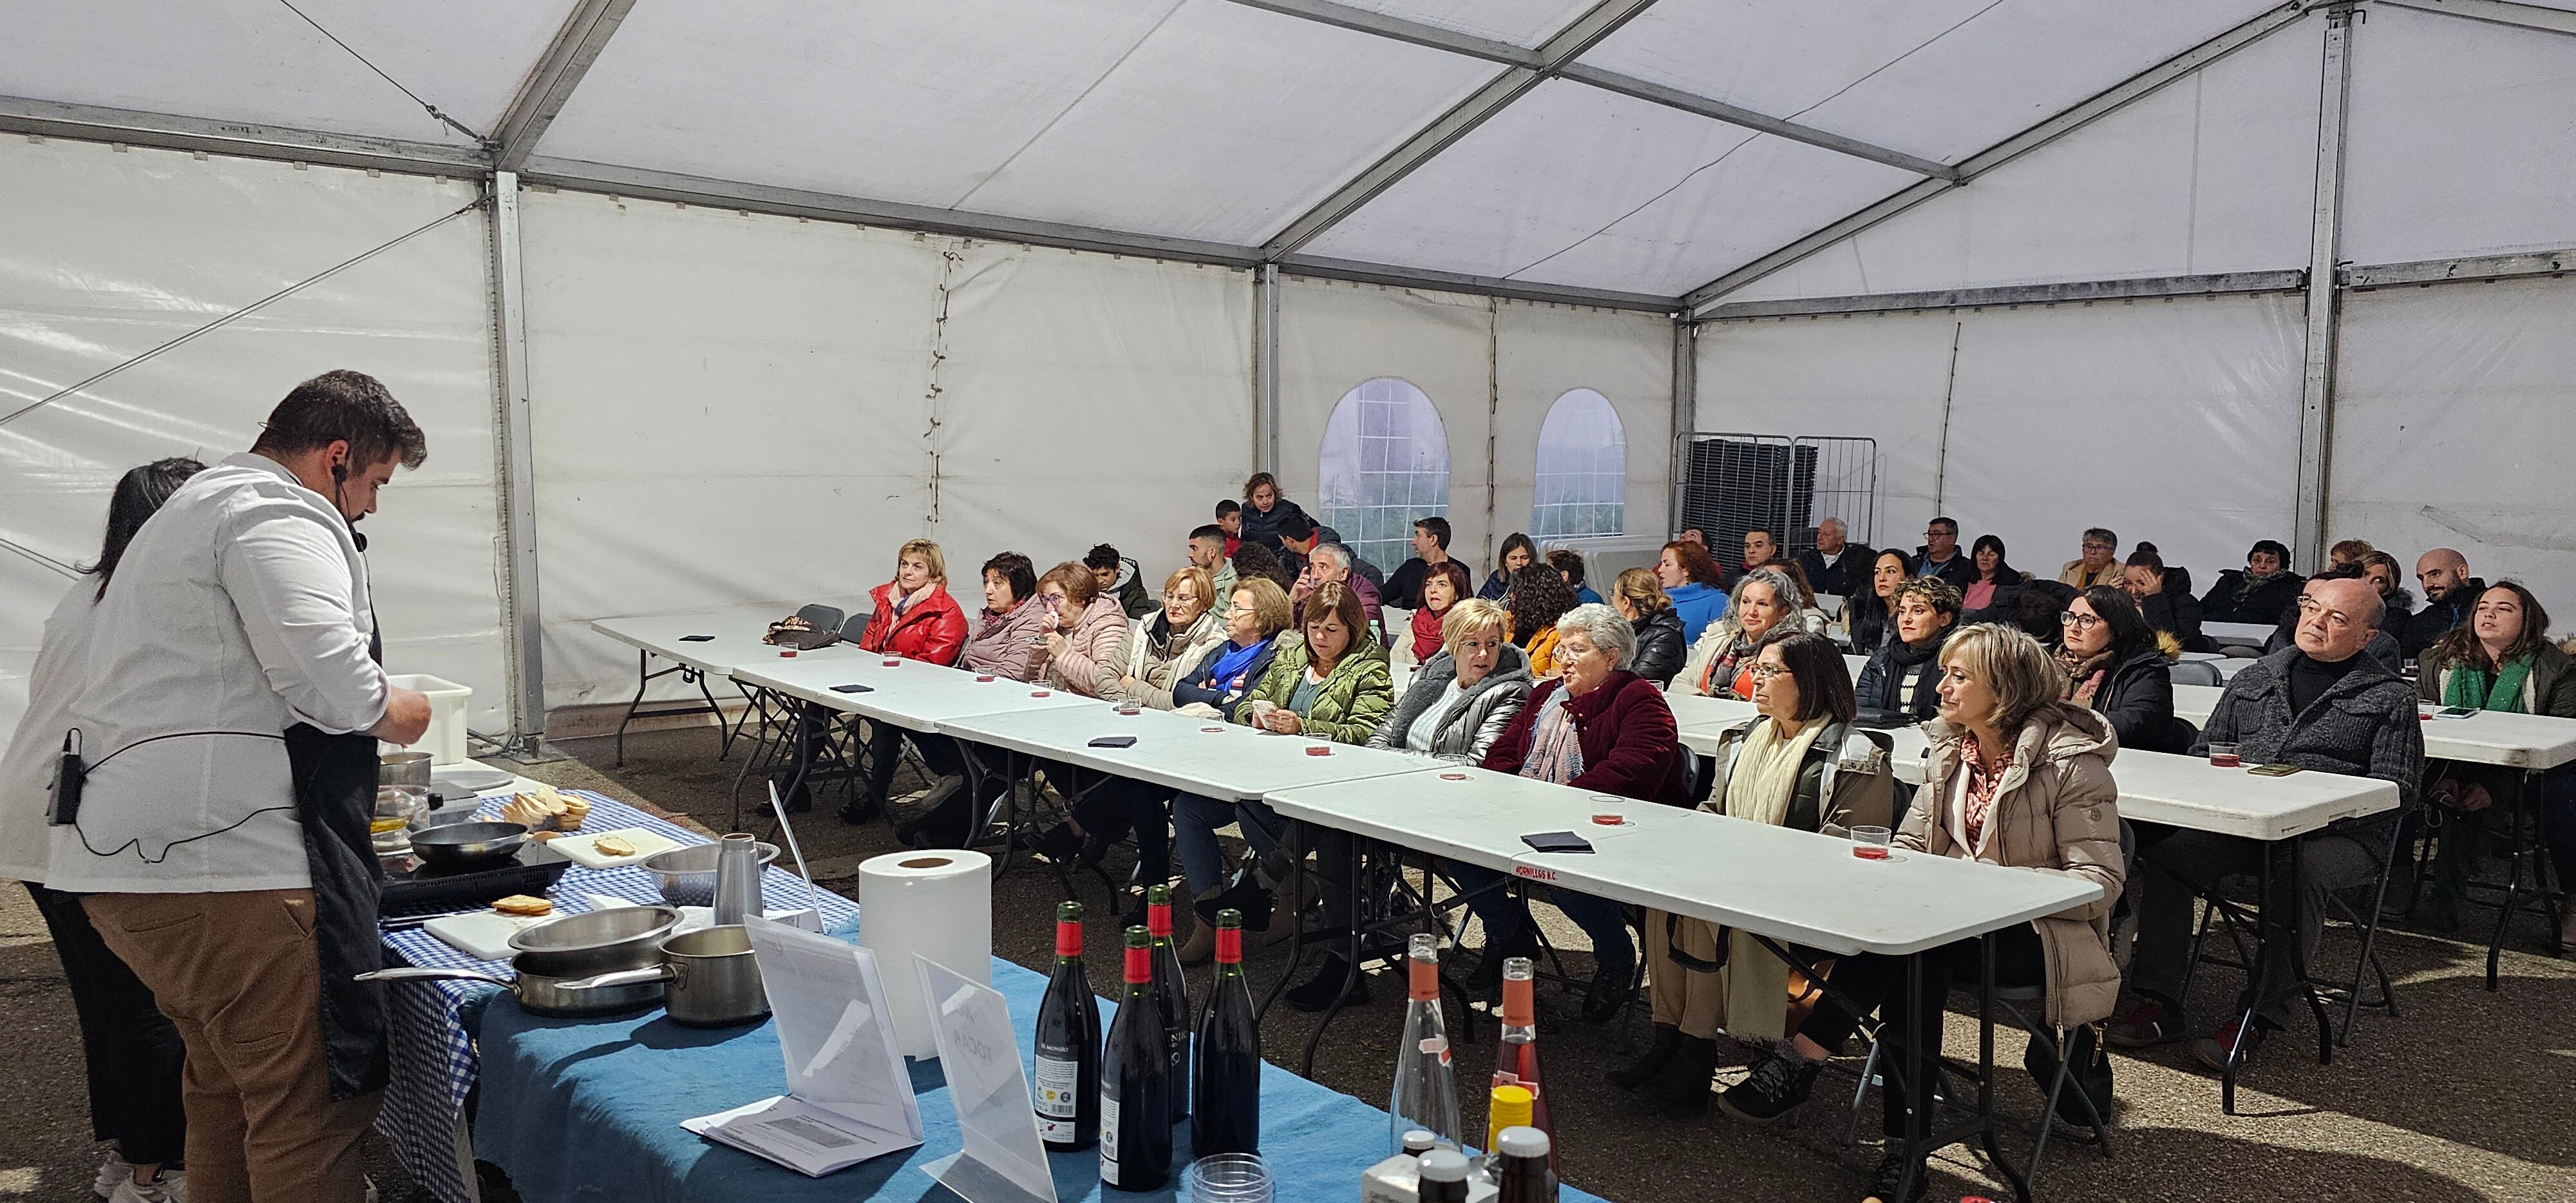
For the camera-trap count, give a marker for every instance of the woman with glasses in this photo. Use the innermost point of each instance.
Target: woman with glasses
(1166, 648)
(2114, 668)
(1903, 676)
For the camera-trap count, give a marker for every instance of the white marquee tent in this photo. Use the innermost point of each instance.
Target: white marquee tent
(712, 303)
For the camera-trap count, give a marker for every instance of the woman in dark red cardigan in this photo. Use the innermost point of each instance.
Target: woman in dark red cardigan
(1595, 727)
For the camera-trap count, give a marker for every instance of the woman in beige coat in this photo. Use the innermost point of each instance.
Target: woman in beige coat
(2018, 779)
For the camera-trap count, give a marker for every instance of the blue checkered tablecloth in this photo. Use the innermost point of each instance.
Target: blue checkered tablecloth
(434, 1063)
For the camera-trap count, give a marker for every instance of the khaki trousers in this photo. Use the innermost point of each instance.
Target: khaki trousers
(240, 977)
(1689, 999)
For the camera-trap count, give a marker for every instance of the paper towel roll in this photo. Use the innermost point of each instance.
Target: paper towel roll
(938, 904)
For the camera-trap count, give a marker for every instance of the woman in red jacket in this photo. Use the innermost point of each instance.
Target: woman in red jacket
(917, 620)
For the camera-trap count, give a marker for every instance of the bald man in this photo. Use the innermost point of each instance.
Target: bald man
(2321, 705)
(1836, 565)
(2449, 594)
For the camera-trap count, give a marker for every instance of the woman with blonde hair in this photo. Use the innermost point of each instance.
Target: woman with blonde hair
(916, 619)
(1640, 598)
(1465, 694)
(2017, 778)
(1165, 648)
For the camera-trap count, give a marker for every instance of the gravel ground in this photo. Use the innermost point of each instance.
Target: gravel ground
(2463, 1096)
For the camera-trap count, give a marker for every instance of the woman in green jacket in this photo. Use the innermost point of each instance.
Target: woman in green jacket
(1333, 686)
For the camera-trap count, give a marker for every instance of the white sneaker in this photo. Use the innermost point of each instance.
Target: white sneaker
(168, 1188)
(111, 1172)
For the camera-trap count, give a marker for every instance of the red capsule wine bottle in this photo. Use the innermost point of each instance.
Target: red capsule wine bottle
(1225, 1115)
(1068, 1045)
(1171, 995)
(1135, 1081)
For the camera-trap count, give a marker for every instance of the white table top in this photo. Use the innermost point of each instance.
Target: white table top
(2188, 791)
(1464, 813)
(1179, 751)
(913, 695)
(737, 638)
(1806, 888)
(2522, 741)
(2248, 634)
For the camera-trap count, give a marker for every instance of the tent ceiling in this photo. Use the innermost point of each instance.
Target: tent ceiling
(1207, 125)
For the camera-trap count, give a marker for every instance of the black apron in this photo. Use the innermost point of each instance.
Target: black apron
(335, 799)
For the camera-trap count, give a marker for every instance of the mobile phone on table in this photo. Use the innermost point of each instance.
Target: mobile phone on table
(2455, 712)
(854, 688)
(2273, 770)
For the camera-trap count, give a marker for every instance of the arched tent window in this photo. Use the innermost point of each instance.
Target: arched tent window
(1582, 469)
(1384, 463)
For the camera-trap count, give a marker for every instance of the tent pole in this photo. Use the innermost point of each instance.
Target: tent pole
(522, 630)
(1685, 416)
(2316, 389)
(1265, 368)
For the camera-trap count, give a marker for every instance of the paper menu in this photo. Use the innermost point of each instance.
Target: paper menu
(1003, 1160)
(848, 1097)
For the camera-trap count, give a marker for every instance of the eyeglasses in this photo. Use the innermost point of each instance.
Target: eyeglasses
(1243, 609)
(2081, 622)
(2099, 547)
(1764, 672)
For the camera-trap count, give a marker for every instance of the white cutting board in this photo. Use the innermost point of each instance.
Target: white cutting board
(584, 850)
(484, 935)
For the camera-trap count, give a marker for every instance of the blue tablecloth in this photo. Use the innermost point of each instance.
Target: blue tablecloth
(591, 1110)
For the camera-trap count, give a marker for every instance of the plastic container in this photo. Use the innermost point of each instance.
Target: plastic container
(448, 703)
(1227, 1178)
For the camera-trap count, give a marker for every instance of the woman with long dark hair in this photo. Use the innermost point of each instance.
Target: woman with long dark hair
(1518, 553)
(1872, 619)
(2114, 668)
(2501, 659)
(133, 1053)
(1995, 596)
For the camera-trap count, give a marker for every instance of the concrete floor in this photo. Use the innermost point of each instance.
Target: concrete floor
(2464, 1096)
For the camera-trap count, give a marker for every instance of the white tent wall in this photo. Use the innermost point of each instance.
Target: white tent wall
(2451, 429)
(108, 252)
(725, 410)
(2171, 421)
(1546, 351)
(1086, 399)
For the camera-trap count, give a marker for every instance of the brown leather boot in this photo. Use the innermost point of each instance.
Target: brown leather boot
(1200, 948)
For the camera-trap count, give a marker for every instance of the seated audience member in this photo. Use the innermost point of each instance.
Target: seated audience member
(2348, 551)
(2043, 605)
(2259, 593)
(1518, 553)
(1597, 727)
(1903, 675)
(2450, 593)
(1006, 639)
(1836, 566)
(2015, 778)
(1568, 563)
(1692, 534)
(1331, 685)
(1208, 554)
(1086, 635)
(1939, 556)
(2500, 660)
(1761, 550)
(2175, 614)
(1871, 620)
(2382, 571)
(1458, 705)
(1789, 768)
(2114, 667)
(1300, 537)
(1811, 614)
(1693, 584)
(2177, 577)
(1660, 647)
(1086, 653)
(1995, 596)
(2100, 564)
(1430, 551)
(2323, 706)
(1721, 662)
(1442, 589)
(1263, 510)
(1183, 634)
(1256, 615)
(1332, 563)
(1120, 579)
(1254, 560)
(1229, 518)
(1537, 598)
(916, 619)
(2382, 646)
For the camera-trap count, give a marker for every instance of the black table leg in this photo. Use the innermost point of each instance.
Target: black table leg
(1351, 962)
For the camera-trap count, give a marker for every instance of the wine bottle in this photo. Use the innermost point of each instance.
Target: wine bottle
(1516, 1054)
(1525, 1178)
(1068, 1045)
(1135, 1081)
(1426, 1090)
(1171, 995)
(1226, 1092)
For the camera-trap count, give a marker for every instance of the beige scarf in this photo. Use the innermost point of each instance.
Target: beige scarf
(1760, 789)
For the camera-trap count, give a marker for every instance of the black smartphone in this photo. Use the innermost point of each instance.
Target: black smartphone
(2273, 770)
(696, 638)
(854, 688)
(1557, 841)
(1114, 741)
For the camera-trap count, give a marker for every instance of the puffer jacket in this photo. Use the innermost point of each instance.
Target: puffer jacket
(1471, 726)
(2056, 811)
(1350, 703)
(933, 630)
(1199, 686)
(1095, 650)
(1542, 651)
(2232, 599)
(1631, 746)
(1846, 780)
(1159, 657)
(1011, 644)
(2175, 614)
(1263, 528)
(1659, 647)
(2136, 696)
(1882, 681)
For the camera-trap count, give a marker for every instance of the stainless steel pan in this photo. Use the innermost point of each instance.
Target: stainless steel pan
(712, 979)
(573, 946)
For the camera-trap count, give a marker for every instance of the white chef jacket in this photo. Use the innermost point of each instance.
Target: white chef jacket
(27, 770)
(239, 610)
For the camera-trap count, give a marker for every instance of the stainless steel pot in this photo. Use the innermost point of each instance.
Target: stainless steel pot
(558, 951)
(713, 980)
(538, 993)
(403, 768)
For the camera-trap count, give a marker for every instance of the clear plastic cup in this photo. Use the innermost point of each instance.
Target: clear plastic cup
(1227, 1178)
(1608, 811)
(1871, 843)
(2225, 756)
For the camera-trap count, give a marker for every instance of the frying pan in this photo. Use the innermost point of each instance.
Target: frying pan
(458, 845)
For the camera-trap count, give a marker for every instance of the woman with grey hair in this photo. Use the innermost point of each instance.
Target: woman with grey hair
(1597, 727)
(1719, 664)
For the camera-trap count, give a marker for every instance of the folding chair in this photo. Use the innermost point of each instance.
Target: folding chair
(2365, 965)
(822, 617)
(2028, 1006)
(2194, 672)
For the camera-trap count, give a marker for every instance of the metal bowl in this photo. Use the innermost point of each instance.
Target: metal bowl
(594, 942)
(687, 876)
(468, 843)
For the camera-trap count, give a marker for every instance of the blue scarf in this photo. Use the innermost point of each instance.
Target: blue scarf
(1234, 661)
